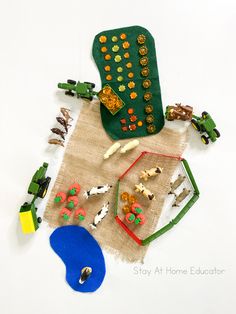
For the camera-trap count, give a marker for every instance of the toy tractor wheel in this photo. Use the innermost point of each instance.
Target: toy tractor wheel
(44, 188)
(217, 133)
(204, 114)
(195, 125)
(39, 220)
(205, 140)
(92, 84)
(69, 93)
(71, 82)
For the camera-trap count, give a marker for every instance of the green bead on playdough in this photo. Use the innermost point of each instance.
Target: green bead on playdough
(119, 69)
(121, 88)
(115, 48)
(117, 58)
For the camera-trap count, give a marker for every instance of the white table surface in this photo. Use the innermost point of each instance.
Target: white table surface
(44, 42)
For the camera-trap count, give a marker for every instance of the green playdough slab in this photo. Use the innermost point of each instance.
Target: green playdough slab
(111, 123)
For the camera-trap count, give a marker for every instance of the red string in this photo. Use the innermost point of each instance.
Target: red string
(128, 231)
(151, 153)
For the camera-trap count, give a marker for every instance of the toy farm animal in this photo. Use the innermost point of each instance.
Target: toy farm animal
(129, 146)
(85, 274)
(100, 215)
(150, 173)
(55, 141)
(179, 198)
(66, 115)
(101, 189)
(174, 185)
(111, 150)
(147, 193)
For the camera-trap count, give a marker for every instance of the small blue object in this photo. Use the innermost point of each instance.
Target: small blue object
(78, 249)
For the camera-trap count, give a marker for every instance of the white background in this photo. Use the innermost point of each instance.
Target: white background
(44, 42)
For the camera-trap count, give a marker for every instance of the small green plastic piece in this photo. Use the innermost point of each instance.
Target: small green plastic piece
(70, 205)
(131, 217)
(81, 218)
(66, 217)
(57, 199)
(72, 191)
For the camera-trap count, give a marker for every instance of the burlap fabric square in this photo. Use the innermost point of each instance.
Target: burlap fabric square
(83, 163)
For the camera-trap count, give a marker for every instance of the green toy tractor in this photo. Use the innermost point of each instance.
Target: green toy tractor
(205, 124)
(81, 90)
(39, 183)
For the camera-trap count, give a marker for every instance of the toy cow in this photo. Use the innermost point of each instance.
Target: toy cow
(179, 198)
(147, 193)
(100, 215)
(101, 189)
(150, 173)
(174, 185)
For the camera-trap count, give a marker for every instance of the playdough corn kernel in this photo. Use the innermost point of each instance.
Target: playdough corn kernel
(141, 39)
(102, 39)
(151, 128)
(143, 61)
(147, 96)
(148, 108)
(147, 83)
(145, 71)
(149, 118)
(143, 50)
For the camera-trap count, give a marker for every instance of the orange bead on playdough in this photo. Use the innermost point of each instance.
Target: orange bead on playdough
(123, 36)
(128, 65)
(109, 77)
(126, 55)
(104, 49)
(131, 84)
(107, 57)
(102, 39)
(126, 45)
(107, 68)
(130, 74)
(130, 111)
(133, 95)
(140, 123)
